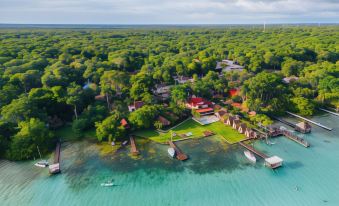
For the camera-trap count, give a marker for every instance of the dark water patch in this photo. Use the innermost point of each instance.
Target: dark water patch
(294, 164)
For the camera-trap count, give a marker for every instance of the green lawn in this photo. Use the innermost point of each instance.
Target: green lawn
(232, 136)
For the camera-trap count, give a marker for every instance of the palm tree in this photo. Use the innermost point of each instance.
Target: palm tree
(158, 124)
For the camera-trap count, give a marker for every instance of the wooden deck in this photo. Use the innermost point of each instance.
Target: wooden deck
(260, 154)
(310, 121)
(55, 168)
(328, 111)
(179, 154)
(134, 149)
(285, 122)
(295, 138)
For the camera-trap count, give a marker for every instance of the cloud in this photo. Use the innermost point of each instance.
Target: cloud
(168, 11)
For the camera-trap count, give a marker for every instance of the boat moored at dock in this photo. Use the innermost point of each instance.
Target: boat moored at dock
(171, 152)
(250, 156)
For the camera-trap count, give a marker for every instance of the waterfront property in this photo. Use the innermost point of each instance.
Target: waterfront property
(179, 154)
(192, 129)
(228, 65)
(136, 105)
(271, 162)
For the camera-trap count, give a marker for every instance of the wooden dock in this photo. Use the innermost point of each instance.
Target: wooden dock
(263, 134)
(284, 121)
(260, 154)
(55, 168)
(134, 149)
(310, 121)
(295, 138)
(328, 111)
(179, 154)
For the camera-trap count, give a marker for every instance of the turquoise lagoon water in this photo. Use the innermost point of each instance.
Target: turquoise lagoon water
(215, 174)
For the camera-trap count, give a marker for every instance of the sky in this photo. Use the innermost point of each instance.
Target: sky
(168, 11)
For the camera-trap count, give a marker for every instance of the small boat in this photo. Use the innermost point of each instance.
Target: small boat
(171, 152)
(250, 156)
(107, 184)
(125, 143)
(42, 163)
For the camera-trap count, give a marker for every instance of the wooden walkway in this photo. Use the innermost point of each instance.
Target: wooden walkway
(55, 168)
(264, 134)
(313, 122)
(285, 122)
(179, 154)
(295, 138)
(57, 153)
(260, 154)
(134, 149)
(328, 111)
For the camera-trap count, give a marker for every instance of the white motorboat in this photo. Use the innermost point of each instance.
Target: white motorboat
(171, 152)
(42, 163)
(107, 184)
(250, 156)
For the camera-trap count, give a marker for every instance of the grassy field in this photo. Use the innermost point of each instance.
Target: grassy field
(231, 135)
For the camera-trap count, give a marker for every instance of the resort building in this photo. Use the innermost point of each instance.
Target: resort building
(249, 133)
(228, 65)
(220, 114)
(183, 80)
(198, 103)
(164, 121)
(242, 128)
(162, 91)
(230, 120)
(288, 80)
(136, 105)
(236, 124)
(201, 106)
(303, 127)
(124, 123)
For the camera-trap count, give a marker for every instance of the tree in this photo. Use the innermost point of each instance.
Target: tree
(113, 83)
(265, 89)
(74, 97)
(179, 93)
(110, 128)
(32, 133)
(21, 109)
(144, 117)
(262, 119)
(303, 106)
(7, 130)
(291, 67)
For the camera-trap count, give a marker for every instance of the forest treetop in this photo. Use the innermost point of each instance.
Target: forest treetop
(44, 73)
